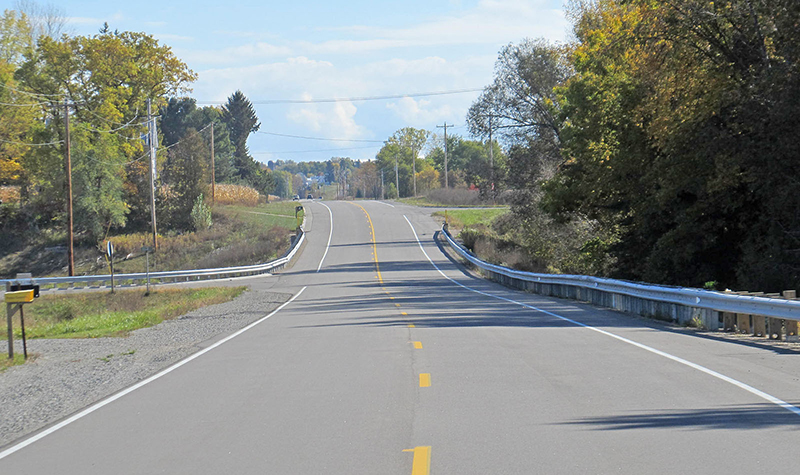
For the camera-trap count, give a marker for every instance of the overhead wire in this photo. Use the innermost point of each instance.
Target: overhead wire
(33, 94)
(313, 151)
(351, 99)
(318, 138)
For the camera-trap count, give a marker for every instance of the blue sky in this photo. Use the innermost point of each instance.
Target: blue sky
(321, 49)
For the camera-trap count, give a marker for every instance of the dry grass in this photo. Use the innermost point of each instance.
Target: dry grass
(236, 195)
(9, 194)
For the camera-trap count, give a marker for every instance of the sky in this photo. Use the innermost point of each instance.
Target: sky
(301, 50)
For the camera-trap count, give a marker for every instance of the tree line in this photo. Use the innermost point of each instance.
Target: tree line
(103, 83)
(660, 142)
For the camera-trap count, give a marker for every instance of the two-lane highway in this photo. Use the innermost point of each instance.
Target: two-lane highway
(390, 360)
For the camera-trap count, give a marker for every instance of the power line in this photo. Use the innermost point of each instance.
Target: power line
(352, 99)
(33, 94)
(318, 138)
(37, 104)
(33, 144)
(313, 151)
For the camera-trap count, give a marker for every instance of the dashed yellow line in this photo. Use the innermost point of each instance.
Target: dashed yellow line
(422, 460)
(411, 325)
(424, 380)
(418, 345)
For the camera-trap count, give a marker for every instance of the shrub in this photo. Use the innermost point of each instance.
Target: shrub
(201, 214)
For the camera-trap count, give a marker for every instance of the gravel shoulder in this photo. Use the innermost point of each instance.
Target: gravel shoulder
(69, 374)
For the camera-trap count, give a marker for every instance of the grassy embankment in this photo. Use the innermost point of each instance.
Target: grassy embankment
(451, 198)
(242, 233)
(459, 219)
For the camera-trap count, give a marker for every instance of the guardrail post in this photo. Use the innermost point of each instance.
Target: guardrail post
(791, 325)
(759, 325)
(742, 323)
(728, 321)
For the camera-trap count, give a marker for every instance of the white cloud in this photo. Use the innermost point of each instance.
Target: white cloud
(237, 54)
(335, 120)
(420, 111)
(490, 22)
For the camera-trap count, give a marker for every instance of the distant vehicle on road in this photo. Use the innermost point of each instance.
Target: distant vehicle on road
(310, 197)
(296, 198)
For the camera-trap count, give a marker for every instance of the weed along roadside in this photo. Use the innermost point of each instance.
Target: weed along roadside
(105, 314)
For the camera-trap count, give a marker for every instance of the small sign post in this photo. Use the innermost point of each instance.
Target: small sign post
(110, 252)
(147, 250)
(297, 210)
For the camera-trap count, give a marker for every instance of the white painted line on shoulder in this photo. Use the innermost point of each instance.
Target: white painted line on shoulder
(330, 235)
(138, 385)
(387, 204)
(677, 359)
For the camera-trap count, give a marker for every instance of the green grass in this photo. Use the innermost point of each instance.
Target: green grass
(101, 314)
(462, 218)
(279, 213)
(19, 359)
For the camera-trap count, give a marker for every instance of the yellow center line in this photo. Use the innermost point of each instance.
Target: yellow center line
(374, 244)
(422, 460)
(418, 345)
(411, 325)
(404, 313)
(397, 305)
(424, 380)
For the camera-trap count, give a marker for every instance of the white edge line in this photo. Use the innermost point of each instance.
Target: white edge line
(677, 359)
(138, 385)
(330, 235)
(381, 202)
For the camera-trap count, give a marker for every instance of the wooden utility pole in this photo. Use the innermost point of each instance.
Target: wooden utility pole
(396, 176)
(414, 169)
(213, 177)
(445, 126)
(151, 127)
(491, 156)
(68, 165)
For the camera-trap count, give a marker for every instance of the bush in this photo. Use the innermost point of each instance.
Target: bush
(201, 214)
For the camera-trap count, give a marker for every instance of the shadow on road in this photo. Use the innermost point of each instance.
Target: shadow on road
(752, 416)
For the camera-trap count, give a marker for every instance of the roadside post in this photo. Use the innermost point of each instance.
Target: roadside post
(110, 252)
(297, 210)
(147, 250)
(16, 296)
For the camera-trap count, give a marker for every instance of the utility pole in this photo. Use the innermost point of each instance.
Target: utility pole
(445, 126)
(383, 195)
(414, 169)
(491, 156)
(151, 127)
(396, 176)
(68, 165)
(213, 176)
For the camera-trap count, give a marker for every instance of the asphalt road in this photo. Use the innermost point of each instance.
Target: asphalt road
(388, 363)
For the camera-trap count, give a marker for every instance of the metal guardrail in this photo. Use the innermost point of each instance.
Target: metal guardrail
(165, 276)
(688, 297)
